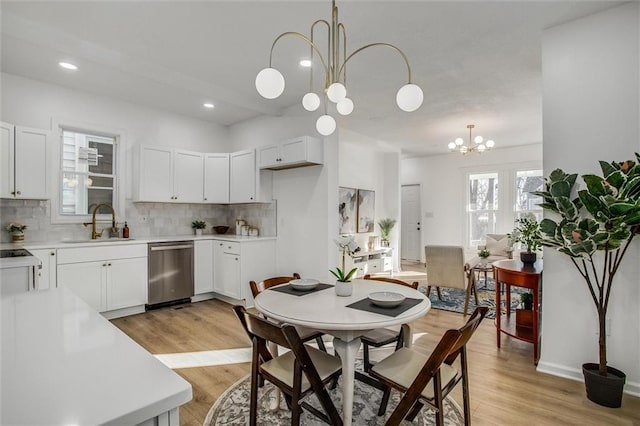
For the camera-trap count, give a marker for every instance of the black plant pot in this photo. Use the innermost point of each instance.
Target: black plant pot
(528, 258)
(604, 390)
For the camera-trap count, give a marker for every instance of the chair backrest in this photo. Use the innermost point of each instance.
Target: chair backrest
(430, 371)
(445, 266)
(413, 285)
(257, 288)
(467, 331)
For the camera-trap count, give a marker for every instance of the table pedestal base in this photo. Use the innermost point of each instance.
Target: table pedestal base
(347, 352)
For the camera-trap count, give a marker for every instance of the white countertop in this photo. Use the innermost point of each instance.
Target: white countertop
(64, 364)
(143, 240)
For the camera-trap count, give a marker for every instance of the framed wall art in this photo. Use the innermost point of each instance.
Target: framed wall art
(347, 207)
(366, 210)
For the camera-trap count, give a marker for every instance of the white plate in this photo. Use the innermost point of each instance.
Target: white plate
(304, 284)
(386, 299)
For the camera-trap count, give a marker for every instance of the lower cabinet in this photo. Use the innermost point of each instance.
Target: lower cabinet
(202, 266)
(47, 272)
(108, 284)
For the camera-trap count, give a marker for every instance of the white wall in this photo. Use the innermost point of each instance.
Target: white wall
(591, 71)
(444, 189)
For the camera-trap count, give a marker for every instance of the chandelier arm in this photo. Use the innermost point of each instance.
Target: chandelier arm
(308, 41)
(311, 32)
(344, 52)
(404, 57)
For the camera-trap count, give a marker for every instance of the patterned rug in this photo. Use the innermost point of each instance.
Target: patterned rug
(453, 298)
(232, 408)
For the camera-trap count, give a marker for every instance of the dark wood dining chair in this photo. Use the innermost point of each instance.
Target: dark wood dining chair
(385, 336)
(306, 334)
(428, 379)
(299, 372)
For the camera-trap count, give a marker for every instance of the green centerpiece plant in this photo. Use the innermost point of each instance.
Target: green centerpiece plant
(595, 229)
(386, 225)
(527, 232)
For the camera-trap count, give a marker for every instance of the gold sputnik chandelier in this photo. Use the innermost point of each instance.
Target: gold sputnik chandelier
(270, 82)
(476, 144)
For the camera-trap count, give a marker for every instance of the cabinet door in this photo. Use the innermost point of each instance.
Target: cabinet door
(203, 266)
(243, 177)
(156, 174)
(294, 151)
(47, 273)
(6, 160)
(126, 283)
(86, 281)
(216, 178)
(268, 156)
(231, 275)
(188, 183)
(31, 163)
(218, 264)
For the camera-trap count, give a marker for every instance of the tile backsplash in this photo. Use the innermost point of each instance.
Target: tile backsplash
(143, 219)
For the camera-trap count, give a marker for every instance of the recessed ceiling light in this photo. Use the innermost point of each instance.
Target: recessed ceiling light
(305, 63)
(208, 105)
(68, 66)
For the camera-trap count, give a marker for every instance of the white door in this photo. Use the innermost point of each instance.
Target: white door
(203, 266)
(126, 283)
(410, 223)
(47, 273)
(156, 174)
(218, 264)
(231, 275)
(243, 177)
(216, 178)
(31, 163)
(85, 280)
(294, 151)
(188, 183)
(269, 155)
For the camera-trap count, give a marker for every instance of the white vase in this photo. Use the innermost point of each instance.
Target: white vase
(344, 288)
(198, 231)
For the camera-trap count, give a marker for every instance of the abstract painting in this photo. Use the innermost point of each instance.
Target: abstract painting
(347, 200)
(366, 210)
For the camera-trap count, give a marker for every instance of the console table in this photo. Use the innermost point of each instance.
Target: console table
(370, 262)
(514, 273)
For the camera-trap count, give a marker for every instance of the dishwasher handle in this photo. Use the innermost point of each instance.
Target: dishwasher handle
(176, 247)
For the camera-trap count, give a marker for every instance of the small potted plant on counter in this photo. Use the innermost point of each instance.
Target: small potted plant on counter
(17, 231)
(198, 226)
(527, 231)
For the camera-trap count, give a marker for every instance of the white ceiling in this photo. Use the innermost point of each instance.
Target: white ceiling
(477, 62)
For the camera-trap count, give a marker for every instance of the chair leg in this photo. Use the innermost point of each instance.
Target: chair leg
(414, 411)
(253, 402)
(467, 296)
(365, 355)
(428, 291)
(295, 406)
(439, 294)
(465, 387)
(320, 343)
(385, 400)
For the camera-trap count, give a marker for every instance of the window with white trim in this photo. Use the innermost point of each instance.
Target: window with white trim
(88, 172)
(483, 206)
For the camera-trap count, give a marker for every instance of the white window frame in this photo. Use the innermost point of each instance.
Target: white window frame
(506, 214)
(56, 176)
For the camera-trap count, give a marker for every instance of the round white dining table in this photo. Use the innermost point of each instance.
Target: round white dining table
(325, 311)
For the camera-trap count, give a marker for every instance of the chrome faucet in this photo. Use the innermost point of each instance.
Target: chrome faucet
(94, 233)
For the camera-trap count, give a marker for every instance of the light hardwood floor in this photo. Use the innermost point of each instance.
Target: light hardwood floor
(505, 388)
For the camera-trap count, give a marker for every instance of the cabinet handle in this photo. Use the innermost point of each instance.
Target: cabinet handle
(251, 198)
(236, 258)
(108, 264)
(13, 192)
(220, 244)
(104, 264)
(19, 192)
(205, 198)
(53, 253)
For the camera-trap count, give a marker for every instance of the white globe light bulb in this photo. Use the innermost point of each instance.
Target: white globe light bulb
(481, 148)
(490, 143)
(409, 97)
(336, 92)
(326, 125)
(452, 145)
(345, 106)
(478, 139)
(459, 141)
(270, 83)
(310, 101)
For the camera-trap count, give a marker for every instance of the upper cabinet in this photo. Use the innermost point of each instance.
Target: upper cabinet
(242, 187)
(297, 152)
(24, 162)
(216, 178)
(170, 175)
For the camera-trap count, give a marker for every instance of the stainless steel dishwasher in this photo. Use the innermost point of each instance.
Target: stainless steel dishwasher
(170, 273)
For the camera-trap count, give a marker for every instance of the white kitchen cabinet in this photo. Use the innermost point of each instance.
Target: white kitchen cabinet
(170, 175)
(203, 259)
(216, 178)
(242, 187)
(296, 152)
(107, 278)
(24, 160)
(48, 270)
(237, 263)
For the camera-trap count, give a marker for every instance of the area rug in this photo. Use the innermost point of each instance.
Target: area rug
(232, 408)
(453, 298)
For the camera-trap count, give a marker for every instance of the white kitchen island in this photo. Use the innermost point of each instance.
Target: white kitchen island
(64, 364)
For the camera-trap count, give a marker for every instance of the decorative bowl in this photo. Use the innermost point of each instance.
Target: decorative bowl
(220, 229)
(304, 284)
(386, 299)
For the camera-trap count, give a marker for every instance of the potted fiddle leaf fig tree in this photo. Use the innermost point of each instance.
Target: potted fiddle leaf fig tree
(595, 230)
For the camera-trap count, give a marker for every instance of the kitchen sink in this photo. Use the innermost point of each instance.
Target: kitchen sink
(101, 240)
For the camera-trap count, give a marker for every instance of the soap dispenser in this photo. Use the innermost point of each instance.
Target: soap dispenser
(125, 230)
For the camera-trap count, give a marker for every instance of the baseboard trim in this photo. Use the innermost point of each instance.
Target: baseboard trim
(630, 388)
